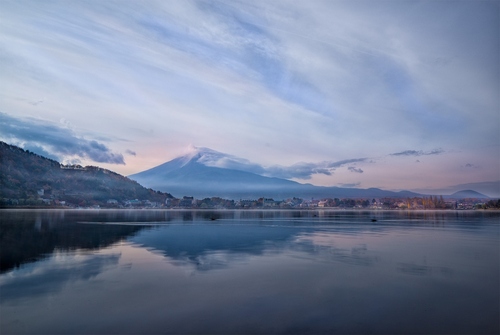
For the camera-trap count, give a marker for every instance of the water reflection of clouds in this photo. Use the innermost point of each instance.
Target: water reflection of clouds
(216, 260)
(423, 269)
(332, 247)
(52, 274)
(345, 248)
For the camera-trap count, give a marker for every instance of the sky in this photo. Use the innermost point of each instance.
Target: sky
(389, 94)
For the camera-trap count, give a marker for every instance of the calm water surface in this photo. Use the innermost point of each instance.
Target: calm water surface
(265, 272)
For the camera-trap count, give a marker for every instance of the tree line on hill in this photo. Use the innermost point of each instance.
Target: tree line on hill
(491, 204)
(29, 179)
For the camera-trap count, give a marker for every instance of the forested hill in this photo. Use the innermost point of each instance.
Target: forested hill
(29, 178)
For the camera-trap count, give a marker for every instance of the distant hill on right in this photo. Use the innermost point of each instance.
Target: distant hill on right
(489, 189)
(467, 194)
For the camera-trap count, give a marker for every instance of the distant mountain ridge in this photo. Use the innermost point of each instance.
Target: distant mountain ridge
(25, 175)
(189, 175)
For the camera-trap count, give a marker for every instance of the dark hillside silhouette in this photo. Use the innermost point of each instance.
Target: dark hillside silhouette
(26, 176)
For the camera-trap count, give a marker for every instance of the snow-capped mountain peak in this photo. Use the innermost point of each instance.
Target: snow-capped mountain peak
(199, 155)
(213, 158)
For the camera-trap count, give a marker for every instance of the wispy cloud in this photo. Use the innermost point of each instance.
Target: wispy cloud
(418, 152)
(53, 141)
(306, 170)
(354, 169)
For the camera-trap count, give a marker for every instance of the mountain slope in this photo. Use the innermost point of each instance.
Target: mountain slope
(190, 175)
(467, 194)
(25, 174)
(200, 181)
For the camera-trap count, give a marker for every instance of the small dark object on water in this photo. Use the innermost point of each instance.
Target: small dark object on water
(213, 219)
(374, 220)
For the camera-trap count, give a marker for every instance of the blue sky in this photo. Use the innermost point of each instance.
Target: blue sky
(390, 94)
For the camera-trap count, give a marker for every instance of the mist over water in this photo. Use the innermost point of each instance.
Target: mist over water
(265, 272)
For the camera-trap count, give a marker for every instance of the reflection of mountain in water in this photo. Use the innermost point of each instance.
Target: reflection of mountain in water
(28, 236)
(209, 245)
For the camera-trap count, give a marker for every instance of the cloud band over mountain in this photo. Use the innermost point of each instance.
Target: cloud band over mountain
(300, 170)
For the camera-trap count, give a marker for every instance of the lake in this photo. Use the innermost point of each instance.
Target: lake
(249, 272)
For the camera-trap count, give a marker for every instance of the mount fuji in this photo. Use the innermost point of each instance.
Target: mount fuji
(208, 173)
